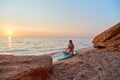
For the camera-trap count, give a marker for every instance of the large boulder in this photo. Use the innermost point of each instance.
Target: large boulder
(24, 67)
(109, 39)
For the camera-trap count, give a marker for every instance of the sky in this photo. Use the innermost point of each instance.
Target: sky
(58, 17)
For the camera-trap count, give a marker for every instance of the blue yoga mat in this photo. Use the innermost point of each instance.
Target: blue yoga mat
(64, 56)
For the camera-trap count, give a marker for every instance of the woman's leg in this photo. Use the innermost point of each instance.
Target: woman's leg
(65, 52)
(71, 53)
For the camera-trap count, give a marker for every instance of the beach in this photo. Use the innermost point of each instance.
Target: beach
(59, 39)
(91, 64)
(100, 62)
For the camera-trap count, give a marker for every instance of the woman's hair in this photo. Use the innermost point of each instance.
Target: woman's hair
(71, 41)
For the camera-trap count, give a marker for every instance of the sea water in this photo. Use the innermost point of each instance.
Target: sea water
(40, 45)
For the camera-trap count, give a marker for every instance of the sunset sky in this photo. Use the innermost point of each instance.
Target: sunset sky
(57, 17)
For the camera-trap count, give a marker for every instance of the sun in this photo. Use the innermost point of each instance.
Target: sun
(9, 32)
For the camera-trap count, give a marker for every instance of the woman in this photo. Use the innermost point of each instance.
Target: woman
(70, 49)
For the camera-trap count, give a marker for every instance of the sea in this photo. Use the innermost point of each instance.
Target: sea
(41, 45)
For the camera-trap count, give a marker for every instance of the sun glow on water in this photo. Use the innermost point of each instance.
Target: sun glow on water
(9, 34)
(9, 42)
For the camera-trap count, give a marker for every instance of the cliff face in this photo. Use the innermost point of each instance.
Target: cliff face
(109, 39)
(89, 65)
(24, 67)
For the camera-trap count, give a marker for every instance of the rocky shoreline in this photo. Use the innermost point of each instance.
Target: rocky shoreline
(99, 63)
(94, 64)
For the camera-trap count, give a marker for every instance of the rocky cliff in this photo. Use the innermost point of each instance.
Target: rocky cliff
(109, 39)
